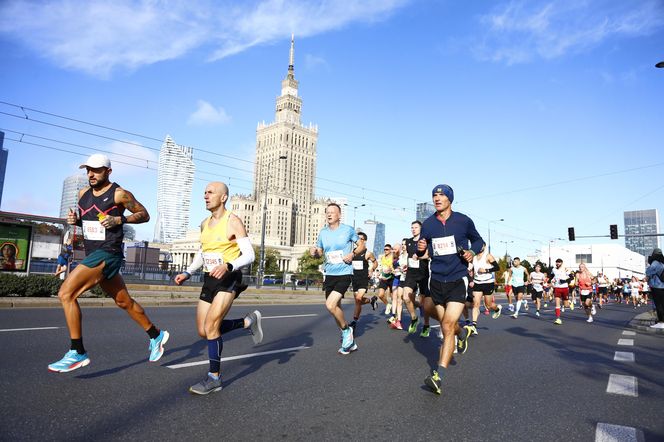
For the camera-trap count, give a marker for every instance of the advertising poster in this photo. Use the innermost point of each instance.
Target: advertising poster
(14, 247)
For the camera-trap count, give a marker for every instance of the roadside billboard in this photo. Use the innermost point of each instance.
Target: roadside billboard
(14, 247)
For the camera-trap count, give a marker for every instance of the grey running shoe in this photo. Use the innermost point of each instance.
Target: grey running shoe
(255, 327)
(206, 386)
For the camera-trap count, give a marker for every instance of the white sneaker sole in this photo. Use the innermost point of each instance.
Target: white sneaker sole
(71, 367)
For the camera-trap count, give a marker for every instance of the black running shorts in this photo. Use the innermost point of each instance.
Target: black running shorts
(486, 288)
(212, 286)
(334, 283)
(360, 282)
(443, 292)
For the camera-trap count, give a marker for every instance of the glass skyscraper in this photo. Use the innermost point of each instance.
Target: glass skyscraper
(175, 179)
(424, 211)
(375, 231)
(70, 188)
(640, 222)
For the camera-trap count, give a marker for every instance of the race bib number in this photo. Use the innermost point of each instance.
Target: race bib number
(211, 260)
(358, 265)
(444, 246)
(413, 263)
(335, 257)
(94, 231)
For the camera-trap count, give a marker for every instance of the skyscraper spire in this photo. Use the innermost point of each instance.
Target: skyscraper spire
(291, 58)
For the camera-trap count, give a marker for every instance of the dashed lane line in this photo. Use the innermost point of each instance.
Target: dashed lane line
(617, 433)
(629, 333)
(624, 356)
(233, 358)
(622, 385)
(28, 329)
(627, 342)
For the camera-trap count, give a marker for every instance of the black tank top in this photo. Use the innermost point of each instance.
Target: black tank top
(90, 207)
(361, 258)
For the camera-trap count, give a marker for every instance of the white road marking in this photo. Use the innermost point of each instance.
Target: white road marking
(232, 358)
(623, 385)
(624, 356)
(28, 329)
(628, 333)
(625, 341)
(617, 433)
(290, 316)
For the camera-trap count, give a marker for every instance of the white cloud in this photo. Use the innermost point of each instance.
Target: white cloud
(522, 31)
(99, 37)
(312, 61)
(206, 114)
(130, 159)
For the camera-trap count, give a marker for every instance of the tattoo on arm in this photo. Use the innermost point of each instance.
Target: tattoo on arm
(139, 213)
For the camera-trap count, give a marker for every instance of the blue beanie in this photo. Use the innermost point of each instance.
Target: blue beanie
(445, 190)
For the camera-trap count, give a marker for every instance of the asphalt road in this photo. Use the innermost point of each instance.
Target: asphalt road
(523, 379)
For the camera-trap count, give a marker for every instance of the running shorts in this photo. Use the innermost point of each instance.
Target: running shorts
(211, 285)
(508, 289)
(519, 289)
(487, 288)
(336, 283)
(360, 282)
(417, 281)
(443, 292)
(536, 294)
(561, 292)
(385, 283)
(112, 262)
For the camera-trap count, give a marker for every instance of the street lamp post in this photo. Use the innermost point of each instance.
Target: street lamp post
(492, 221)
(506, 243)
(354, 211)
(261, 263)
(550, 241)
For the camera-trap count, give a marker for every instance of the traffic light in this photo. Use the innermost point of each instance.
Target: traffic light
(613, 230)
(570, 233)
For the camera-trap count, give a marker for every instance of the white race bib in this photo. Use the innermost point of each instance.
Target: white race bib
(94, 231)
(413, 263)
(444, 246)
(211, 260)
(335, 257)
(358, 265)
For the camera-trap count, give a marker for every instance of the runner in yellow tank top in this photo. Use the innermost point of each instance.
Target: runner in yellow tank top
(225, 249)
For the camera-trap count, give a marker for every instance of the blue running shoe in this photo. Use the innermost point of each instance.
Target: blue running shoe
(348, 350)
(347, 338)
(71, 361)
(157, 346)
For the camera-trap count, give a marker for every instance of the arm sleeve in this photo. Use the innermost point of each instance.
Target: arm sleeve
(495, 267)
(197, 263)
(247, 255)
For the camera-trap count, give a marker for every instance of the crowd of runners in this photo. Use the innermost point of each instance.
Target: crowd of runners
(441, 273)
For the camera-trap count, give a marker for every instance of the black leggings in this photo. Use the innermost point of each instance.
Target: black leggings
(658, 299)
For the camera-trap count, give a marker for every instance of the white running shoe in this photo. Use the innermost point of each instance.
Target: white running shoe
(593, 311)
(590, 319)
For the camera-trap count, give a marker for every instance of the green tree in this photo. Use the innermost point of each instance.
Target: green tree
(272, 257)
(309, 265)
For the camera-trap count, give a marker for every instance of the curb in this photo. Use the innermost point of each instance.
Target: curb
(643, 321)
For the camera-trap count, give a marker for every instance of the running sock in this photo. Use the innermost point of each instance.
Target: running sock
(231, 324)
(518, 306)
(474, 324)
(77, 344)
(152, 332)
(215, 346)
(557, 312)
(356, 318)
(441, 371)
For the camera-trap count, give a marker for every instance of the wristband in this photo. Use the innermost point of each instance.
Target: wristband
(188, 274)
(229, 267)
(123, 219)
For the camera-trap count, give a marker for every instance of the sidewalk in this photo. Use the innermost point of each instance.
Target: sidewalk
(162, 296)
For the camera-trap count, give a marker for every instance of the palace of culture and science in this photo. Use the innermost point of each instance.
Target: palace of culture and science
(284, 177)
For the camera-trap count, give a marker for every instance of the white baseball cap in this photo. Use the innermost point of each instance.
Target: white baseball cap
(96, 160)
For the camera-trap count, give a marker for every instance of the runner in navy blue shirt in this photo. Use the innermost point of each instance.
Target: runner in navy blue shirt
(451, 240)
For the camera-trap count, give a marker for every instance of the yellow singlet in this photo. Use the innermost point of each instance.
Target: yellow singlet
(217, 248)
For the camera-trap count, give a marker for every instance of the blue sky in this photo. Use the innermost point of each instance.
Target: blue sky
(545, 114)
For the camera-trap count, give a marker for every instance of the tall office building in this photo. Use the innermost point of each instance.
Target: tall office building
(284, 176)
(375, 231)
(175, 178)
(424, 211)
(640, 222)
(70, 188)
(4, 154)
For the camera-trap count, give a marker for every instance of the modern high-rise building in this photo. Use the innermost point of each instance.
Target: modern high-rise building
(284, 178)
(424, 211)
(642, 222)
(375, 231)
(4, 155)
(175, 179)
(70, 188)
